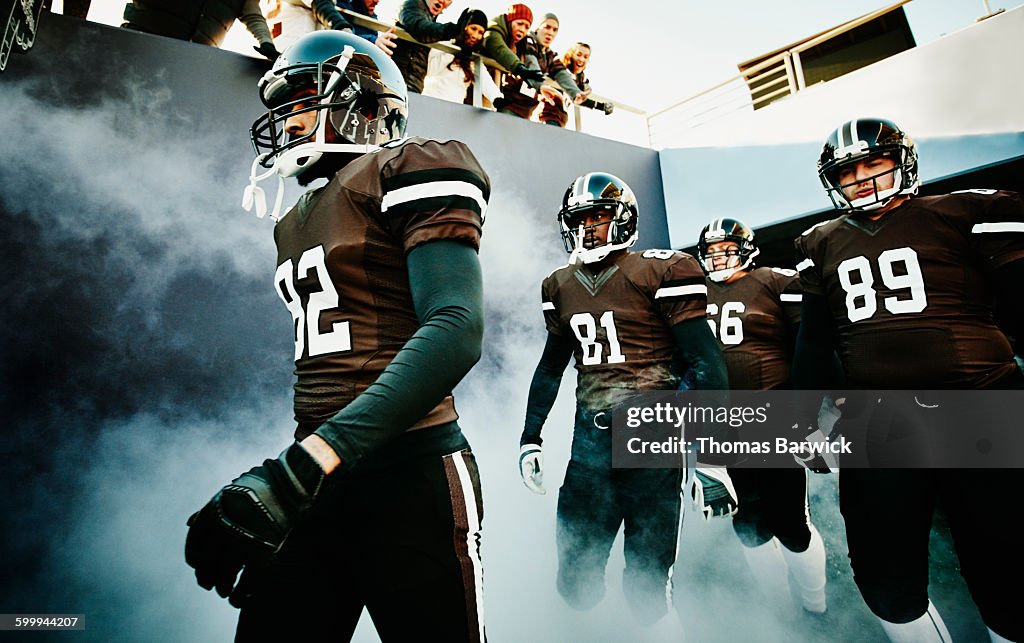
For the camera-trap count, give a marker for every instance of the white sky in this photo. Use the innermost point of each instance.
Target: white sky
(667, 50)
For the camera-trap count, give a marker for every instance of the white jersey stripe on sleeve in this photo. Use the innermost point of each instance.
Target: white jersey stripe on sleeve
(679, 291)
(433, 189)
(1002, 226)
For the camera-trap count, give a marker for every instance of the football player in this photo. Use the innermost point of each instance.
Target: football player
(903, 286)
(754, 313)
(377, 504)
(622, 315)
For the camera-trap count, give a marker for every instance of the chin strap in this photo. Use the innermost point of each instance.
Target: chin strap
(253, 195)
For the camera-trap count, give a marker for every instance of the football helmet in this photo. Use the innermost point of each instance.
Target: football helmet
(354, 88)
(857, 139)
(725, 229)
(597, 193)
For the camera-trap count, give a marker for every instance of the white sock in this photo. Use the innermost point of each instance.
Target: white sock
(927, 628)
(808, 571)
(768, 567)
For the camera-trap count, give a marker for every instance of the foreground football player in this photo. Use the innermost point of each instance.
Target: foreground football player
(378, 502)
(754, 313)
(904, 286)
(623, 315)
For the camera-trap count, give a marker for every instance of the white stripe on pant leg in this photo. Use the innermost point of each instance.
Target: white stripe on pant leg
(927, 628)
(473, 528)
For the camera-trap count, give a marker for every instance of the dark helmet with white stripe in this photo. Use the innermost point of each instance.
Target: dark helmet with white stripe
(858, 139)
(347, 78)
(604, 195)
(726, 229)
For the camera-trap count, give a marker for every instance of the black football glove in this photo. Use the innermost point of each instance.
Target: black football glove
(819, 459)
(527, 73)
(248, 520)
(712, 492)
(268, 51)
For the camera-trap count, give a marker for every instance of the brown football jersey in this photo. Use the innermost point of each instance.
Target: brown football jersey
(910, 292)
(342, 272)
(622, 318)
(754, 319)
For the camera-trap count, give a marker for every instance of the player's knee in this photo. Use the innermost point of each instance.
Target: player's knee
(893, 604)
(581, 591)
(647, 602)
(750, 533)
(796, 541)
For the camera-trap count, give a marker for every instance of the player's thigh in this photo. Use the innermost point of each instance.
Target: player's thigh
(652, 509)
(588, 516)
(888, 516)
(420, 550)
(297, 594)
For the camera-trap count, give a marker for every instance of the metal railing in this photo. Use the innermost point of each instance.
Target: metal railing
(775, 77)
(483, 64)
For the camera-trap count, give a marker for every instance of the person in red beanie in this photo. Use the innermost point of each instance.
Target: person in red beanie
(503, 42)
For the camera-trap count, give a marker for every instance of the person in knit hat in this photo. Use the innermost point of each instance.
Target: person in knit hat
(503, 39)
(419, 18)
(449, 76)
(521, 100)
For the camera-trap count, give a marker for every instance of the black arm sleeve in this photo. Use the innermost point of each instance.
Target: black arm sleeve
(445, 281)
(697, 349)
(1009, 304)
(544, 386)
(813, 355)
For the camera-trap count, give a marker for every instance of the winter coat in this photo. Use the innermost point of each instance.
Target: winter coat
(559, 111)
(206, 22)
(355, 6)
(421, 25)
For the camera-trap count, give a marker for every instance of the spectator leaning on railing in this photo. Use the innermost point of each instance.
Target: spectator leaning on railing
(419, 18)
(205, 22)
(575, 61)
(504, 43)
(538, 47)
(449, 76)
(292, 19)
(385, 40)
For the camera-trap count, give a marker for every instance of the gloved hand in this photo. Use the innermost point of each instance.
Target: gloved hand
(607, 108)
(463, 20)
(817, 460)
(268, 51)
(531, 467)
(527, 73)
(713, 493)
(248, 519)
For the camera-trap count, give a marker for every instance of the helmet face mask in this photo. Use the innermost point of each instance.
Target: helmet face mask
(861, 141)
(739, 258)
(356, 91)
(608, 203)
